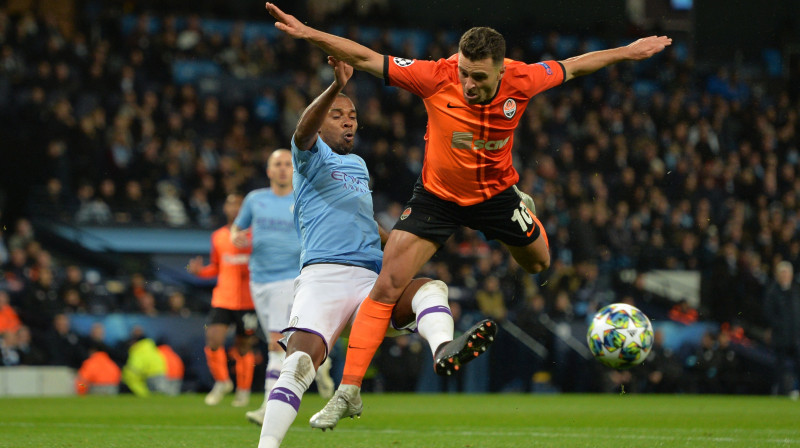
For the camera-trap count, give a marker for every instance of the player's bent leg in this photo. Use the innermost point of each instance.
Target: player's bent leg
(403, 256)
(217, 363)
(427, 300)
(535, 257)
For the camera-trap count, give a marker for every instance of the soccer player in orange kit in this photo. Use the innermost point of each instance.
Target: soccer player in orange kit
(474, 100)
(231, 304)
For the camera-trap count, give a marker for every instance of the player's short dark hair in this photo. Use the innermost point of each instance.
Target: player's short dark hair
(482, 42)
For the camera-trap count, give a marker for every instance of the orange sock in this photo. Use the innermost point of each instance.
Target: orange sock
(217, 364)
(366, 335)
(244, 370)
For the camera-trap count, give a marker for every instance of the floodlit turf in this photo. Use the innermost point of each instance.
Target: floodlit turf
(418, 421)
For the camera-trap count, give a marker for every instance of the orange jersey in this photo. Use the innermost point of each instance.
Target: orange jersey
(97, 370)
(229, 265)
(468, 146)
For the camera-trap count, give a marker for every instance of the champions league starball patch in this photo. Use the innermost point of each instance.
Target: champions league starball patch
(403, 62)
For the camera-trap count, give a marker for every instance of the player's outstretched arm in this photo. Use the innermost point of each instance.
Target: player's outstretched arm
(636, 51)
(305, 135)
(355, 54)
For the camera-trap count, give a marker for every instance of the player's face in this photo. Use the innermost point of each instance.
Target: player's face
(339, 128)
(279, 168)
(232, 205)
(479, 79)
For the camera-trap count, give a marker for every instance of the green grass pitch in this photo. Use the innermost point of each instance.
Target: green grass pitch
(414, 421)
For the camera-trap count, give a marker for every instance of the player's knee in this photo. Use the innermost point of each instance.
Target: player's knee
(538, 265)
(436, 287)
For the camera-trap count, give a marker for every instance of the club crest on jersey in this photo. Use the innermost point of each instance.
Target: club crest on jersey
(293, 322)
(405, 214)
(509, 108)
(403, 62)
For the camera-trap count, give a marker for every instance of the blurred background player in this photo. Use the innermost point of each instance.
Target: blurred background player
(341, 259)
(268, 213)
(467, 177)
(230, 305)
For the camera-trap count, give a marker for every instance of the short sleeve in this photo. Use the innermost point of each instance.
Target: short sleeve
(245, 216)
(542, 76)
(420, 77)
(305, 161)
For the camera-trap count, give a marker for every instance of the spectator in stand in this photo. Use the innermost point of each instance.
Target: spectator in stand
(147, 305)
(23, 234)
(176, 305)
(9, 353)
(136, 206)
(490, 299)
(98, 374)
(9, 320)
(3, 248)
(64, 346)
(782, 307)
(42, 302)
(91, 208)
(16, 273)
(30, 353)
(662, 368)
(73, 302)
(107, 192)
(74, 280)
(169, 204)
(682, 313)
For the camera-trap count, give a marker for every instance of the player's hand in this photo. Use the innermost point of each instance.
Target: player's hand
(647, 46)
(195, 264)
(240, 240)
(287, 22)
(342, 71)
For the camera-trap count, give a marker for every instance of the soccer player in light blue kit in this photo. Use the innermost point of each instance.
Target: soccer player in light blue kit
(274, 263)
(341, 257)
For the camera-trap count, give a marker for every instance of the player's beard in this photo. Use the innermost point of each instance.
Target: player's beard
(342, 148)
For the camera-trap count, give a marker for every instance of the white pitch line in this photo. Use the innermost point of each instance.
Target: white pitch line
(541, 432)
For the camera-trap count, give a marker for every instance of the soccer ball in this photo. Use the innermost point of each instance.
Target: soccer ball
(620, 336)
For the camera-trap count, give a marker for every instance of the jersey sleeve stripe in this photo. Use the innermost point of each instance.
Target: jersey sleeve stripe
(564, 71)
(386, 69)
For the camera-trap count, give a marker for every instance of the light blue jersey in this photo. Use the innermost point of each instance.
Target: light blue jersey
(276, 247)
(333, 208)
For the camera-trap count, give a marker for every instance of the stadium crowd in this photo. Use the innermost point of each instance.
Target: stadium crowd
(660, 165)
